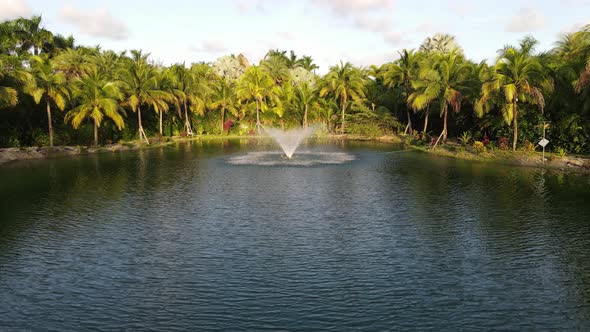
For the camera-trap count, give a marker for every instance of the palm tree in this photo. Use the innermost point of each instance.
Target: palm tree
(345, 82)
(400, 74)
(307, 96)
(223, 98)
(276, 68)
(141, 84)
(96, 98)
(31, 34)
(519, 75)
(107, 63)
(255, 84)
(443, 81)
(307, 63)
(441, 43)
(203, 77)
(11, 74)
(183, 79)
(47, 85)
(163, 83)
(72, 62)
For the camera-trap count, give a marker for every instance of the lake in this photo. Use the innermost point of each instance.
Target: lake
(227, 235)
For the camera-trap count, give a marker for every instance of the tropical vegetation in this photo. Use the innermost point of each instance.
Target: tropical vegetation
(55, 92)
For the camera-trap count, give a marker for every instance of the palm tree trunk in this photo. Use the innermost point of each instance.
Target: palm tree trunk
(343, 109)
(222, 119)
(141, 131)
(305, 117)
(161, 131)
(445, 126)
(49, 125)
(426, 122)
(95, 132)
(257, 117)
(515, 128)
(409, 120)
(187, 124)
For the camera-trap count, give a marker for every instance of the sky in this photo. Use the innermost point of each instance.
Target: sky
(363, 32)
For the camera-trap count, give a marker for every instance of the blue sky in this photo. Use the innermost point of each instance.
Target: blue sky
(363, 32)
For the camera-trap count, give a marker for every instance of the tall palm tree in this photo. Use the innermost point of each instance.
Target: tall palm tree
(519, 75)
(400, 74)
(96, 97)
(255, 84)
(307, 96)
(31, 34)
(161, 105)
(442, 82)
(183, 80)
(345, 83)
(203, 78)
(140, 82)
(49, 86)
(223, 97)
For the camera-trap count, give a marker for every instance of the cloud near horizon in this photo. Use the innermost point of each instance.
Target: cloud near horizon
(11, 9)
(98, 23)
(210, 47)
(526, 20)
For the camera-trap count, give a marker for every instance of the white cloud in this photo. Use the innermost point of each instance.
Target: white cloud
(246, 6)
(461, 7)
(394, 38)
(429, 27)
(211, 46)
(526, 20)
(352, 7)
(286, 35)
(11, 9)
(99, 23)
(380, 25)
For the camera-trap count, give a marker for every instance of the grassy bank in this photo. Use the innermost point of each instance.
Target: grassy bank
(508, 157)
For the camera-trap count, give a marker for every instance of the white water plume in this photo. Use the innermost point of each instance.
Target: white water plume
(290, 139)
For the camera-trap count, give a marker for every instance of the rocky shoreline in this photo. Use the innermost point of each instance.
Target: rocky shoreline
(14, 154)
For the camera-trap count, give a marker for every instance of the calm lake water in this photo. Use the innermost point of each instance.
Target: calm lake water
(222, 236)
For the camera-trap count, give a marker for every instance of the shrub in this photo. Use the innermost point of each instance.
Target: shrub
(13, 142)
(561, 152)
(528, 147)
(486, 139)
(503, 143)
(465, 138)
(479, 147)
(40, 139)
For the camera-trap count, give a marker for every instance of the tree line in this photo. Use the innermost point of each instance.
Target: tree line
(53, 91)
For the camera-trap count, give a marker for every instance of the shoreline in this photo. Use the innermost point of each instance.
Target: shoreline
(569, 164)
(9, 155)
(576, 164)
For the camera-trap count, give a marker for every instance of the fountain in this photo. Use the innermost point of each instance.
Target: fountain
(290, 139)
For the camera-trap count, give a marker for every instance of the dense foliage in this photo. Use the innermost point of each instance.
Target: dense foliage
(55, 92)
